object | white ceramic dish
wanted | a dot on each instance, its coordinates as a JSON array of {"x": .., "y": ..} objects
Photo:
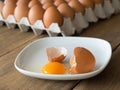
[{"x": 32, "y": 58}]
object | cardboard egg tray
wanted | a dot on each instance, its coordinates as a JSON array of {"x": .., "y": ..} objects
[{"x": 69, "y": 27}]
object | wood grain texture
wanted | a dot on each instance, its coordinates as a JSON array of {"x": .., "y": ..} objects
[
  {"x": 11, "y": 39},
  {"x": 109, "y": 79}
]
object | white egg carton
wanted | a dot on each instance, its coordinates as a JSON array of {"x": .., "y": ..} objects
[{"x": 69, "y": 27}]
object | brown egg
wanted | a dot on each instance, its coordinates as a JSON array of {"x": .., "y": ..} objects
[
  {"x": 58, "y": 2},
  {"x": 67, "y": 0},
  {"x": 87, "y": 3},
  {"x": 45, "y": 1},
  {"x": 10, "y": 1},
  {"x": 98, "y": 1},
  {"x": 82, "y": 61},
  {"x": 21, "y": 11},
  {"x": 1, "y": 6},
  {"x": 76, "y": 6},
  {"x": 8, "y": 9},
  {"x": 52, "y": 15},
  {"x": 23, "y": 2},
  {"x": 33, "y": 2},
  {"x": 47, "y": 5},
  {"x": 66, "y": 11},
  {"x": 35, "y": 13}
]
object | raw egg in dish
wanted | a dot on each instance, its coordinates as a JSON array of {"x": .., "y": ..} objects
[
  {"x": 56, "y": 54},
  {"x": 54, "y": 68},
  {"x": 82, "y": 61},
  {"x": 52, "y": 15}
]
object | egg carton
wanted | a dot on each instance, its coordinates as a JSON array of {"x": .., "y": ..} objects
[
  {"x": 66, "y": 29},
  {"x": 69, "y": 27}
]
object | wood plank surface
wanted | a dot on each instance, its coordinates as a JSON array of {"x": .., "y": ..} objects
[
  {"x": 109, "y": 79},
  {"x": 13, "y": 41}
]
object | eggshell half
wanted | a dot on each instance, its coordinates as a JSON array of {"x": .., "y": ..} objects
[
  {"x": 82, "y": 61},
  {"x": 55, "y": 54}
]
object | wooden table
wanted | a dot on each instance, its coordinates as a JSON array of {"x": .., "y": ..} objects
[{"x": 13, "y": 41}]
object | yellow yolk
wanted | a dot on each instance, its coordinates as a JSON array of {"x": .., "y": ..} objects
[{"x": 54, "y": 68}]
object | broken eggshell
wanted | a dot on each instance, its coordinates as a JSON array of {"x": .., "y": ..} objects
[
  {"x": 55, "y": 54},
  {"x": 82, "y": 61}
]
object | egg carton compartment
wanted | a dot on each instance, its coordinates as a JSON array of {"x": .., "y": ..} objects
[
  {"x": 69, "y": 27},
  {"x": 116, "y": 5},
  {"x": 37, "y": 28},
  {"x": 66, "y": 29}
]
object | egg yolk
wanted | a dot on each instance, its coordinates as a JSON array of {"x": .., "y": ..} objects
[{"x": 54, "y": 68}]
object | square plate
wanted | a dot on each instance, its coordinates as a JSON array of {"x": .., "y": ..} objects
[{"x": 33, "y": 57}]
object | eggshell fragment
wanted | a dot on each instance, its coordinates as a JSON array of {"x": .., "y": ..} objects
[
  {"x": 82, "y": 61},
  {"x": 52, "y": 15},
  {"x": 76, "y": 6},
  {"x": 35, "y": 13},
  {"x": 20, "y": 12},
  {"x": 66, "y": 11},
  {"x": 8, "y": 9},
  {"x": 55, "y": 54}
]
